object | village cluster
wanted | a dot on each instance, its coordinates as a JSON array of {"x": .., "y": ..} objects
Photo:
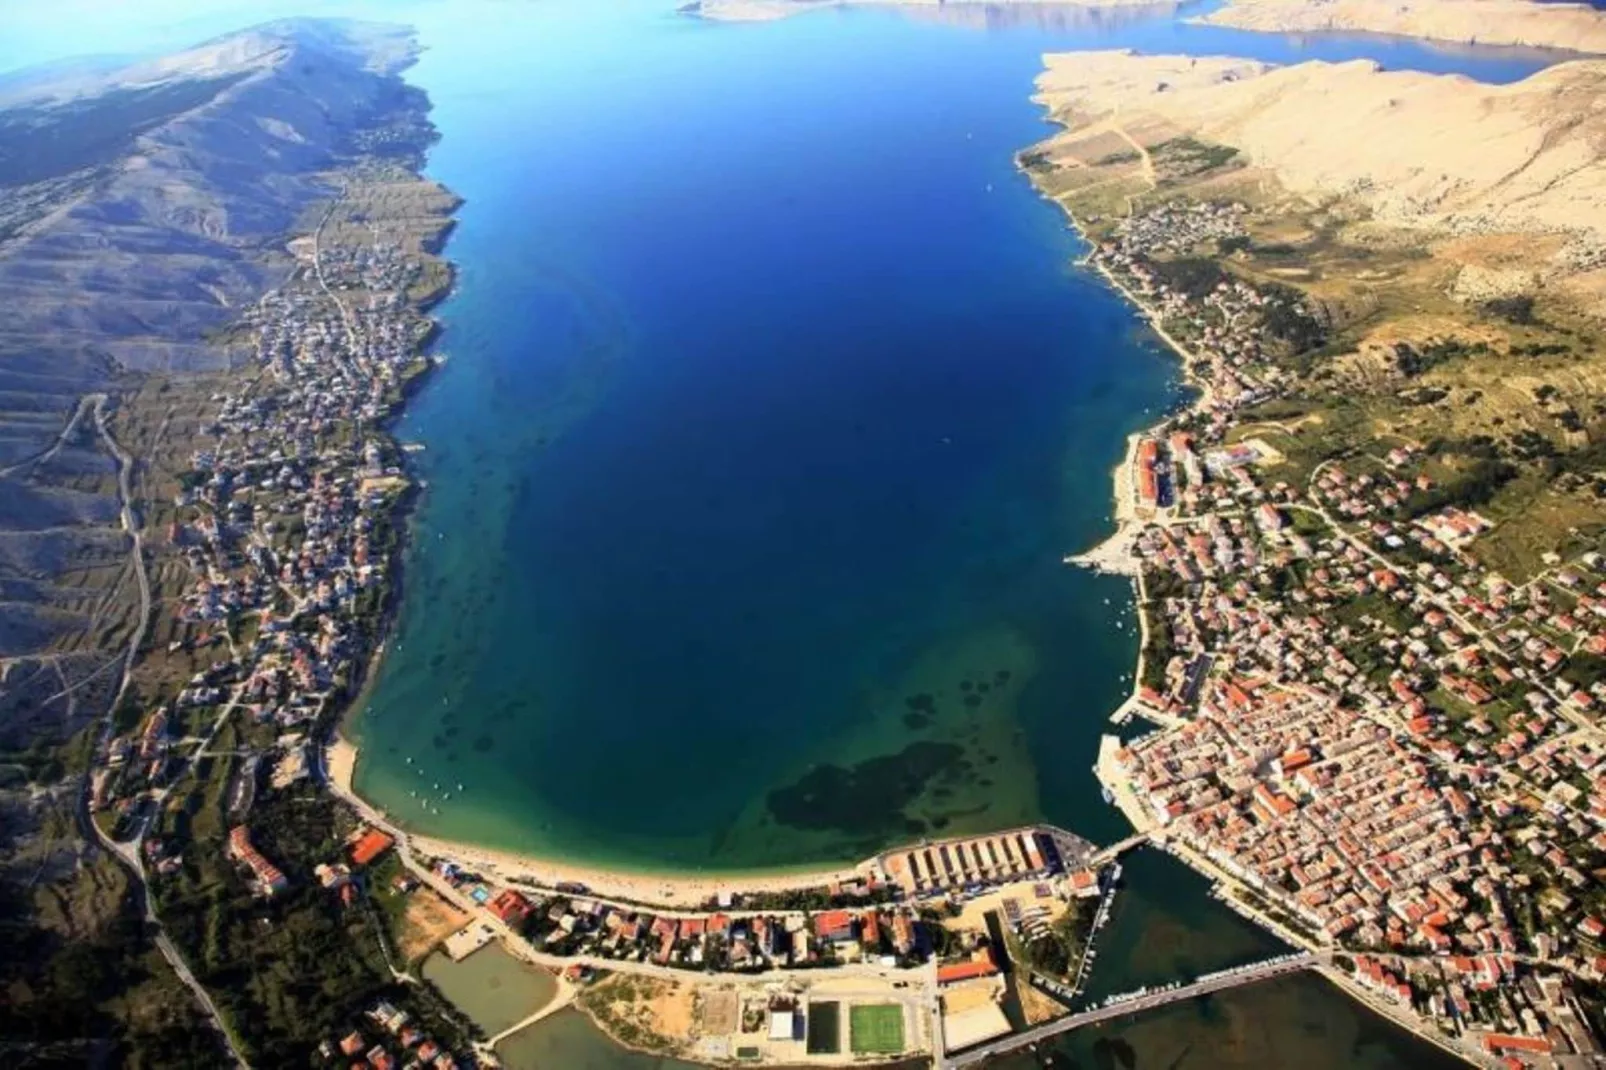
[
  {"x": 286, "y": 524},
  {"x": 279, "y": 520},
  {"x": 392, "y": 1041},
  {"x": 1388, "y": 746}
]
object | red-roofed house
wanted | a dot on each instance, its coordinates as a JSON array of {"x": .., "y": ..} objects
[
  {"x": 511, "y": 907},
  {"x": 834, "y": 926},
  {"x": 369, "y": 846}
]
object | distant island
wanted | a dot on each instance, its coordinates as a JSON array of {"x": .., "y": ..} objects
[
  {"x": 1529, "y": 23},
  {"x": 767, "y": 10},
  {"x": 1573, "y": 27}
]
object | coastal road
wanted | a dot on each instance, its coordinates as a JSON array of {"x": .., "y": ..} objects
[{"x": 521, "y": 947}]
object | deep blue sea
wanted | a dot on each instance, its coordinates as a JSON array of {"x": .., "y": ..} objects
[{"x": 774, "y": 399}]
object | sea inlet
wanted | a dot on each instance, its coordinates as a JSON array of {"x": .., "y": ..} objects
[{"x": 775, "y": 397}]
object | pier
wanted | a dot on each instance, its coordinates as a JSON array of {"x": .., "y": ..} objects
[{"x": 1132, "y": 1003}]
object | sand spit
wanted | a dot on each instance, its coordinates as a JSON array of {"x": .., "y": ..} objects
[
  {"x": 1440, "y": 154},
  {"x": 1528, "y": 23},
  {"x": 767, "y": 10}
]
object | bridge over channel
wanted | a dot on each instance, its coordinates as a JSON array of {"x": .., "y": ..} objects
[
  {"x": 1116, "y": 849},
  {"x": 1120, "y": 1006}
]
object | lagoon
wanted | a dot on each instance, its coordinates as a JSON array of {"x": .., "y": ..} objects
[{"x": 492, "y": 987}]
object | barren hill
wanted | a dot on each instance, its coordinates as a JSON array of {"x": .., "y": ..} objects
[
  {"x": 1532, "y": 23},
  {"x": 143, "y": 207},
  {"x": 1437, "y": 152}
]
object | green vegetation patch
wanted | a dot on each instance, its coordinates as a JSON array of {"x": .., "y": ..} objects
[
  {"x": 875, "y": 1029},
  {"x": 1185, "y": 157}
]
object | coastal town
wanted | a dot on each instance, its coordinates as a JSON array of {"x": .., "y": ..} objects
[
  {"x": 1380, "y": 748},
  {"x": 1374, "y": 741}
]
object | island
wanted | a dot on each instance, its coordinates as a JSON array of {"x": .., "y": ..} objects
[
  {"x": 1368, "y": 556},
  {"x": 1571, "y": 27},
  {"x": 769, "y": 10}
]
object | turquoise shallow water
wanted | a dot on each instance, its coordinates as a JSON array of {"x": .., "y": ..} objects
[{"x": 774, "y": 401}]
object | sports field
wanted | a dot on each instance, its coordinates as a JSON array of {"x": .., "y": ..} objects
[
  {"x": 875, "y": 1029},
  {"x": 825, "y": 1028}
]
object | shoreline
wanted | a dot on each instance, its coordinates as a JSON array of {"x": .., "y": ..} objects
[
  {"x": 651, "y": 887},
  {"x": 1115, "y": 554},
  {"x": 1570, "y": 27},
  {"x": 654, "y": 885},
  {"x": 740, "y": 11}
]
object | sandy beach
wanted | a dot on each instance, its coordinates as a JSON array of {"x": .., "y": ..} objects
[{"x": 660, "y": 889}]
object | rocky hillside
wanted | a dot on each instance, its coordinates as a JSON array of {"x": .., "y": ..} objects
[
  {"x": 142, "y": 207},
  {"x": 1440, "y": 155}
]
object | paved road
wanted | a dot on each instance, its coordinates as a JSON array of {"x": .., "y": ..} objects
[
  {"x": 1060, "y": 1026},
  {"x": 521, "y": 947},
  {"x": 128, "y": 855}
]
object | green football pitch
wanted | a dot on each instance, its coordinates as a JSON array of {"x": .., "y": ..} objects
[{"x": 876, "y": 1029}]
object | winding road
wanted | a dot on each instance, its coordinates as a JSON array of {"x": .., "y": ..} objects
[{"x": 128, "y": 855}]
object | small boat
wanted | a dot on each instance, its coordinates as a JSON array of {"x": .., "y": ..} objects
[{"x": 1109, "y": 796}]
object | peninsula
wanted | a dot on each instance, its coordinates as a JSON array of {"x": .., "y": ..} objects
[
  {"x": 217, "y": 266},
  {"x": 1369, "y": 556}
]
